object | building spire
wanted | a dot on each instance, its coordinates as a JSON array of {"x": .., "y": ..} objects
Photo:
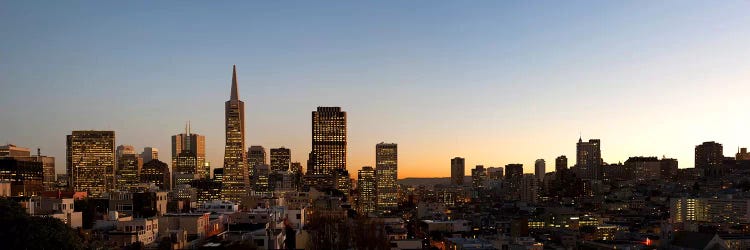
[{"x": 235, "y": 94}]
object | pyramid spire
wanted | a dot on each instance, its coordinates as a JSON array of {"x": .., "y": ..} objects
[{"x": 235, "y": 94}]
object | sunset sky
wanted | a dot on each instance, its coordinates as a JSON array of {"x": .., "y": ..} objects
[{"x": 496, "y": 82}]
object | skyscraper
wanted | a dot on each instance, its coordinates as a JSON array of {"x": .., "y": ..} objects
[
  {"x": 386, "y": 174},
  {"x": 709, "y": 154},
  {"x": 589, "y": 159},
  {"x": 513, "y": 171},
  {"x": 256, "y": 156},
  {"x": 366, "y": 200},
  {"x": 539, "y": 169},
  {"x": 24, "y": 154},
  {"x": 13, "y": 150},
  {"x": 236, "y": 177},
  {"x": 561, "y": 163},
  {"x": 458, "y": 168},
  {"x": 150, "y": 154},
  {"x": 156, "y": 172},
  {"x": 189, "y": 153},
  {"x": 90, "y": 161},
  {"x": 129, "y": 165},
  {"x": 280, "y": 159},
  {"x": 328, "y": 140}
]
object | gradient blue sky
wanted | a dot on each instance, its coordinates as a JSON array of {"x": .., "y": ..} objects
[{"x": 496, "y": 82}]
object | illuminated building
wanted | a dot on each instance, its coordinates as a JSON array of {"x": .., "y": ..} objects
[
  {"x": 589, "y": 159},
  {"x": 280, "y": 159},
  {"x": 256, "y": 155},
  {"x": 328, "y": 140},
  {"x": 261, "y": 183},
  {"x": 91, "y": 161},
  {"x": 236, "y": 179},
  {"x": 458, "y": 171},
  {"x": 156, "y": 172},
  {"x": 709, "y": 155},
  {"x": 296, "y": 170},
  {"x": 669, "y": 168},
  {"x": 366, "y": 200},
  {"x": 25, "y": 177},
  {"x": 218, "y": 175},
  {"x": 712, "y": 210},
  {"x": 206, "y": 190},
  {"x": 478, "y": 179},
  {"x": 539, "y": 169},
  {"x": 189, "y": 153},
  {"x": 24, "y": 154},
  {"x": 386, "y": 174},
  {"x": 129, "y": 165},
  {"x": 150, "y": 154}
]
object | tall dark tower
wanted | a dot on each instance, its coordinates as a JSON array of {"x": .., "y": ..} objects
[{"x": 235, "y": 173}]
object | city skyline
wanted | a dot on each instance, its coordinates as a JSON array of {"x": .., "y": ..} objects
[{"x": 640, "y": 100}]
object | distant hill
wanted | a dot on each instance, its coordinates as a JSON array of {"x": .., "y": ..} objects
[{"x": 415, "y": 181}]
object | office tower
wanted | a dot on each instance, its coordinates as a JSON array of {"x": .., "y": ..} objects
[
  {"x": 328, "y": 140},
  {"x": 218, "y": 175},
  {"x": 478, "y": 179},
  {"x": 709, "y": 155},
  {"x": 24, "y": 175},
  {"x": 528, "y": 188},
  {"x": 256, "y": 155},
  {"x": 13, "y": 150},
  {"x": 589, "y": 159},
  {"x": 156, "y": 172},
  {"x": 90, "y": 161},
  {"x": 236, "y": 179},
  {"x": 129, "y": 165},
  {"x": 539, "y": 169},
  {"x": 366, "y": 200},
  {"x": 342, "y": 181},
  {"x": 189, "y": 153},
  {"x": 495, "y": 173},
  {"x": 643, "y": 168},
  {"x": 386, "y": 173},
  {"x": 206, "y": 190},
  {"x": 513, "y": 171},
  {"x": 150, "y": 154},
  {"x": 280, "y": 159},
  {"x": 668, "y": 168},
  {"x": 260, "y": 180},
  {"x": 296, "y": 170},
  {"x": 458, "y": 171},
  {"x": 561, "y": 163}
]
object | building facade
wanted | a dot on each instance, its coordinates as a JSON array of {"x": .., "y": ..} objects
[
  {"x": 386, "y": 173},
  {"x": 281, "y": 158},
  {"x": 235, "y": 182},
  {"x": 589, "y": 159},
  {"x": 91, "y": 161},
  {"x": 458, "y": 171}
]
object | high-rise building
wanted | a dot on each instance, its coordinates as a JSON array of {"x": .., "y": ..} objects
[
  {"x": 91, "y": 161},
  {"x": 513, "y": 171},
  {"x": 25, "y": 176},
  {"x": 589, "y": 159},
  {"x": 528, "y": 189},
  {"x": 495, "y": 173},
  {"x": 478, "y": 179},
  {"x": 189, "y": 153},
  {"x": 669, "y": 168},
  {"x": 256, "y": 155},
  {"x": 458, "y": 168},
  {"x": 296, "y": 170},
  {"x": 540, "y": 169},
  {"x": 13, "y": 150},
  {"x": 386, "y": 173},
  {"x": 742, "y": 154},
  {"x": 280, "y": 159},
  {"x": 156, "y": 172},
  {"x": 328, "y": 140},
  {"x": 643, "y": 168},
  {"x": 561, "y": 163},
  {"x": 709, "y": 155},
  {"x": 150, "y": 154},
  {"x": 24, "y": 154},
  {"x": 366, "y": 201},
  {"x": 236, "y": 179},
  {"x": 129, "y": 165},
  {"x": 218, "y": 175},
  {"x": 261, "y": 180}
]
